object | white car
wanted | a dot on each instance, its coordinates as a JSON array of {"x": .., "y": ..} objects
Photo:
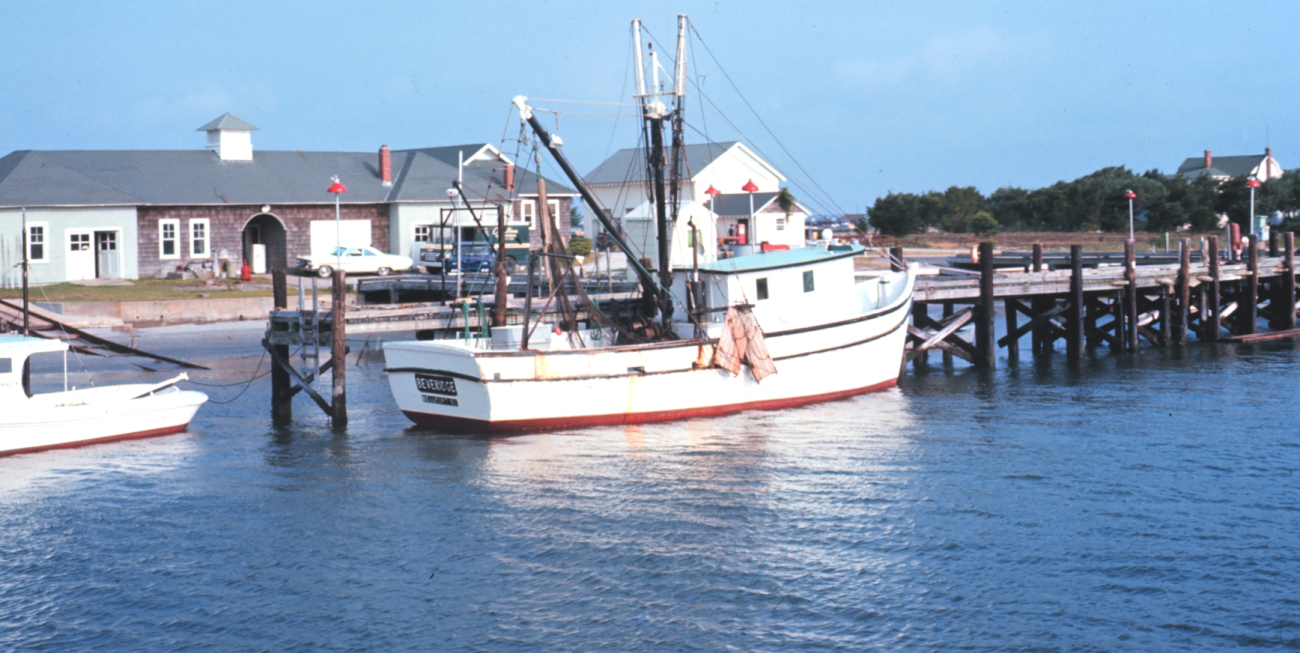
[{"x": 355, "y": 260}]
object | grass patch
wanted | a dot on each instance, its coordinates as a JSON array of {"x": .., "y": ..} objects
[{"x": 141, "y": 290}]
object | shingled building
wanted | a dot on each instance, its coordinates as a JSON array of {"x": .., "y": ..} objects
[{"x": 133, "y": 213}]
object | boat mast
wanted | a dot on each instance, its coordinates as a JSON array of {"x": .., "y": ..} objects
[
  {"x": 26, "y": 312},
  {"x": 655, "y": 112}
]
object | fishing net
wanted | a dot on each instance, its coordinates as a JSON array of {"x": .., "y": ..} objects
[{"x": 742, "y": 343}]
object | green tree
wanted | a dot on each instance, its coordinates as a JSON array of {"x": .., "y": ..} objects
[
  {"x": 1012, "y": 210},
  {"x": 896, "y": 214},
  {"x": 579, "y": 246},
  {"x": 982, "y": 224}
]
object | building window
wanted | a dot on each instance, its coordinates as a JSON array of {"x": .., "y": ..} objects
[
  {"x": 762, "y": 288},
  {"x": 36, "y": 243},
  {"x": 423, "y": 233},
  {"x": 78, "y": 242},
  {"x": 529, "y": 210},
  {"x": 808, "y": 281},
  {"x": 168, "y": 237},
  {"x": 780, "y": 224},
  {"x": 199, "y": 239}
]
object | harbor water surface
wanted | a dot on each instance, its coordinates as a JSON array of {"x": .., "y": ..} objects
[{"x": 1125, "y": 503}]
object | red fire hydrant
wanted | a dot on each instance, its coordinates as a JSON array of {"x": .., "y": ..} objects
[{"x": 245, "y": 272}]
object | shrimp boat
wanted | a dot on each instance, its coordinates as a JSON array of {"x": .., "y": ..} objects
[
  {"x": 76, "y": 417},
  {"x": 770, "y": 329}
]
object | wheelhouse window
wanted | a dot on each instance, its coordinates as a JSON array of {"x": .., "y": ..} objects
[
  {"x": 36, "y": 243},
  {"x": 808, "y": 281},
  {"x": 199, "y": 238},
  {"x": 762, "y": 288},
  {"x": 168, "y": 237}
]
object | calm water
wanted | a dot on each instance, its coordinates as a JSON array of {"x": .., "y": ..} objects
[{"x": 1125, "y": 504}]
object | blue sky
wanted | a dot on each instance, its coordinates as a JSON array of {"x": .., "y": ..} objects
[{"x": 868, "y": 97}]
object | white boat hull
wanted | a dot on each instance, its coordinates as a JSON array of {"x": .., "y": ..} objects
[
  {"x": 94, "y": 415},
  {"x": 471, "y": 389}
]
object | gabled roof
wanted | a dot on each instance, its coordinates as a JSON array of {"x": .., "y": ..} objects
[
  {"x": 198, "y": 177},
  {"x": 227, "y": 121},
  {"x": 1222, "y": 166},
  {"x": 628, "y": 166}
]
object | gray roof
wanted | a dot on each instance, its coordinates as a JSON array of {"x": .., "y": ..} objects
[
  {"x": 189, "y": 177},
  {"x": 226, "y": 121},
  {"x": 628, "y": 166},
  {"x": 737, "y": 204},
  {"x": 1223, "y": 166}
]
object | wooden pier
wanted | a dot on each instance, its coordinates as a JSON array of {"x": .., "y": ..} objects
[{"x": 1120, "y": 307}]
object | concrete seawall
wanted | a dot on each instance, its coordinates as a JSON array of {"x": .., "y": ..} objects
[{"x": 178, "y": 311}]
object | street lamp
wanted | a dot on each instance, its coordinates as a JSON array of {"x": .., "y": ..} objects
[
  {"x": 751, "y": 188},
  {"x": 1130, "y": 195},
  {"x": 1252, "y": 184},
  {"x": 338, "y": 189}
]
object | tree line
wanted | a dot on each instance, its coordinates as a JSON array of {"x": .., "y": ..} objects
[{"x": 1097, "y": 201}]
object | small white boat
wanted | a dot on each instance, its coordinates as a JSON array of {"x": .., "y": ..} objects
[
  {"x": 813, "y": 335},
  {"x": 76, "y": 417}
]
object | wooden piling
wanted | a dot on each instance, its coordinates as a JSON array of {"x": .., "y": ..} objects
[
  {"x": 947, "y": 353},
  {"x": 338, "y": 349},
  {"x": 1273, "y": 237},
  {"x": 281, "y": 382},
  {"x": 1039, "y": 338},
  {"x": 1130, "y": 297},
  {"x": 1210, "y": 319},
  {"x": 920, "y": 310},
  {"x": 896, "y": 263},
  {"x": 1184, "y": 290},
  {"x": 1287, "y": 310},
  {"x": 1074, "y": 343},
  {"x": 985, "y": 348},
  {"x": 1013, "y": 342},
  {"x": 1248, "y": 322}
]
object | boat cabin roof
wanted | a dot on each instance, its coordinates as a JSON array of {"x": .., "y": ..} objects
[
  {"x": 782, "y": 258},
  {"x": 13, "y": 345}
]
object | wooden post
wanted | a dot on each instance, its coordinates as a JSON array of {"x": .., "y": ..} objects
[
  {"x": 1038, "y": 339},
  {"x": 947, "y": 354},
  {"x": 896, "y": 259},
  {"x": 281, "y": 382},
  {"x": 919, "y": 312},
  {"x": 338, "y": 350},
  {"x": 1210, "y": 323},
  {"x": 1013, "y": 343},
  {"x": 1273, "y": 237},
  {"x": 1130, "y": 297},
  {"x": 985, "y": 347},
  {"x": 1184, "y": 290},
  {"x": 1074, "y": 317},
  {"x": 1249, "y": 320},
  {"x": 1287, "y": 310},
  {"x": 1166, "y": 329}
]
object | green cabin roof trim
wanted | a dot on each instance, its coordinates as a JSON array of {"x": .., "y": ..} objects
[{"x": 780, "y": 258}]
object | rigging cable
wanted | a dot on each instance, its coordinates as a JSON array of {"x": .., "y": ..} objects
[{"x": 760, "y": 119}]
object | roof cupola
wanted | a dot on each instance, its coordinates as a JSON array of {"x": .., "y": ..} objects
[{"x": 230, "y": 137}]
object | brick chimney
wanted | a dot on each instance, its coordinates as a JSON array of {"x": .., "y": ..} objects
[
  {"x": 1209, "y": 160},
  {"x": 510, "y": 177},
  {"x": 386, "y": 165}
]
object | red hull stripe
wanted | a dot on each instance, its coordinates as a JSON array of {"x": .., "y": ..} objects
[
  {"x": 463, "y": 424},
  {"x": 112, "y": 438}
]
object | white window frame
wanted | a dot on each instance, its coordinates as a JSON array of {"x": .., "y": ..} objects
[
  {"x": 528, "y": 208},
  {"x": 45, "y": 242},
  {"x": 428, "y": 233},
  {"x": 176, "y": 238},
  {"x": 206, "y": 223}
]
